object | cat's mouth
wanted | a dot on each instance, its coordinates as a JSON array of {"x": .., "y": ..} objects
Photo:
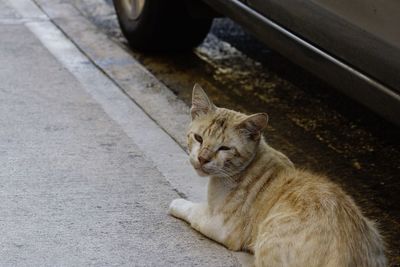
[{"x": 199, "y": 168}]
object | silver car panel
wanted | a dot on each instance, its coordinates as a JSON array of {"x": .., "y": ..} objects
[
  {"x": 343, "y": 76},
  {"x": 362, "y": 33}
]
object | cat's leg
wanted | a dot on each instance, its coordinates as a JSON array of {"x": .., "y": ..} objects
[
  {"x": 195, "y": 214},
  {"x": 201, "y": 219},
  {"x": 181, "y": 208}
]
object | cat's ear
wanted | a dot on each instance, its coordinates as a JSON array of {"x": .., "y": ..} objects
[
  {"x": 253, "y": 125},
  {"x": 201, "y": 104}
]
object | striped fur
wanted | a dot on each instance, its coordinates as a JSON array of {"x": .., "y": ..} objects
[{"x": 260, "y": 203}]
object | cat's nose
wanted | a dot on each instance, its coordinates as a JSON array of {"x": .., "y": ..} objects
[{"x": 203, "y": 160}]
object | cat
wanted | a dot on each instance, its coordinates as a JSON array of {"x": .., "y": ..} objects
[{"x": 258, "y": 202}]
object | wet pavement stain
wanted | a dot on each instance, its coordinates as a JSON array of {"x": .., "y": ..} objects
[{"x": 317, "y": 127}]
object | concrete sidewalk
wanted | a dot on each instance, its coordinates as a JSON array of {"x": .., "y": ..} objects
[{"x": 86, "y": 176}]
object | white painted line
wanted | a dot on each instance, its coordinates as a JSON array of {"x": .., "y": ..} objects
[{"x": 155, "y": 144}]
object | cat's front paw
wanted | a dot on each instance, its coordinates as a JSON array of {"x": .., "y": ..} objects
[{"x": 180, "y": 208}]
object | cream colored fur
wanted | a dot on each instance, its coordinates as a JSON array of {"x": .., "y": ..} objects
[{"x": 260, "y": 203}]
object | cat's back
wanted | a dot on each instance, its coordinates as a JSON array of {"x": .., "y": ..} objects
[{"x": 313, "y": 215}]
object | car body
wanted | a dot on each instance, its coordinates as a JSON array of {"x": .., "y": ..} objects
[{"x": 353, "y": 45}]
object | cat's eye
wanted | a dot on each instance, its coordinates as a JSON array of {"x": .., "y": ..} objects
[
  {"x": 223, "y": 148},
  {"x": 198, "y": 138}
]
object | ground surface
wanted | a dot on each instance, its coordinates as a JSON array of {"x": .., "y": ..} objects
[
  {"x": 315, "y": 125},
  {"x": 80, "y": 185}
]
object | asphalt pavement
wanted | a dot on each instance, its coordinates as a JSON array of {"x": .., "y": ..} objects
[
  {"x": 315, "y": 125},
  {"x": 86, "y": 175},
  {"x": 92, "y": 137}
]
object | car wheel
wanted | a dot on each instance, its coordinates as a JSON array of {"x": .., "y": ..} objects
[{"x": 160, "y": 25}]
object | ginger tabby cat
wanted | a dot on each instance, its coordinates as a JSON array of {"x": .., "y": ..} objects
[{"x": 260, "y": 203}]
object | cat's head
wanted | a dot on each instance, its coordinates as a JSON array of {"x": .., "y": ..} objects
[{"x": 221, "y": 142}]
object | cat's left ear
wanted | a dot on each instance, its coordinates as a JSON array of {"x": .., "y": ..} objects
[
  {"x": 253, "y": 125},
  {"x": 201, "y": 104}
]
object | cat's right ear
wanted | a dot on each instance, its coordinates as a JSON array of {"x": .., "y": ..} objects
[{"x": 201, "y": 104}]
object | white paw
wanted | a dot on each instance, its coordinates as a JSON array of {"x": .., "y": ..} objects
[{"x": 180, "y": 208}]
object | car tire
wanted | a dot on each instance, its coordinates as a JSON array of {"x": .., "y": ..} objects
[{"x": 160, "y": 25}]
